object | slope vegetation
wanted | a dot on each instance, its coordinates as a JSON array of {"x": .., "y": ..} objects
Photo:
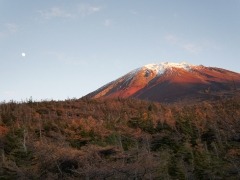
[{"x": 119, "y": 139}]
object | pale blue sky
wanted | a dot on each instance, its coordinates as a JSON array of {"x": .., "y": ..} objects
[{"x": 74, "y": 47}]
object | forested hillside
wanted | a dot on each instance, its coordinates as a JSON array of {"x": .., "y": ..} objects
[{"x": 119, "y": 139}]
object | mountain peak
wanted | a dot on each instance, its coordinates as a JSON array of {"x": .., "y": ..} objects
[
  {"x": 167, "y": 82},
  {"x": 160, "y": 68}
]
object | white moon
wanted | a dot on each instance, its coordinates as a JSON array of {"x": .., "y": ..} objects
[{"x": 23, "y": 54}]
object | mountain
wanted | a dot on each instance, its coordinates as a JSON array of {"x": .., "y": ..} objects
[{"x": 171, "y": 82}]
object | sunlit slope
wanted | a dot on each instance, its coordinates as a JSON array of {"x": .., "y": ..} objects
[{"x": 169, "y": 82}]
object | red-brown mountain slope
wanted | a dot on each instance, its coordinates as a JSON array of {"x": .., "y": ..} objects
[{"x": 167, "y": 82}]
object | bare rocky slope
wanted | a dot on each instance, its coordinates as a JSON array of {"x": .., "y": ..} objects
[{"x": 172, "y": 82}]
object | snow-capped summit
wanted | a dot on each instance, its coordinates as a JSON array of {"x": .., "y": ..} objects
[
  {"x": 157, "y": 69},
  {"x": 168, "y": 82},
  {"x": 160, "y": 68}
]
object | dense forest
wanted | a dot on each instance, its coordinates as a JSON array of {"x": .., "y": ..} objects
[{"x": 119, "y": 139}]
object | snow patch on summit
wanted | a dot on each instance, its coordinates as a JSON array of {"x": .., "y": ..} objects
[{"x": 160, "y": 68}]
